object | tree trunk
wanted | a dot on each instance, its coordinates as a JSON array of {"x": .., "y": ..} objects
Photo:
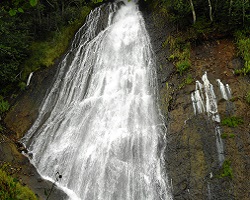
[
  {"x": 193, "y": 11},
  {"x": 210, "y": 10}
]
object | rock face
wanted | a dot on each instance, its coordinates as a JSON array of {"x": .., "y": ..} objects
[
  {"x": 191, "y": 156},
  {"x": 18, "y": 120}
]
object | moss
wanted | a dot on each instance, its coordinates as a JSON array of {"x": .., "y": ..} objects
[
  {"x": 10, "y": 188},
  {"x": 232, "y": 121},
  {"x": 231, "y": 135}
]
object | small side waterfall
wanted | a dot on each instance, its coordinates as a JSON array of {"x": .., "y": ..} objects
[
  {"x": 225, "y": 91},
  {"x": 204, "y": 95},
  {"x": 100, "y": 125}
]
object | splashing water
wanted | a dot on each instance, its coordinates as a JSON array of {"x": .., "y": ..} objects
[{"x": 100, "y": 126}]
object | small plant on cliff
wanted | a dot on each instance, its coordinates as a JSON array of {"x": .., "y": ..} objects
[
  {"x": 232, "y": 121},
  {"x": 10, "y": 189},
  {"x": 180, "y": 52},
  {"x": 226, "y": 170},
  {"x": 226, "y": 135},
  {"x": 4, "y": 105},
  {"x": 243, "y": 44},
  {"x": 248, "y": 97}
]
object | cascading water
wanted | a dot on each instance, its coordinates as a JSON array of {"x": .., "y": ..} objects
[
  {"x": 204, "y": 95},
  {"x": 100, "y": 126}
]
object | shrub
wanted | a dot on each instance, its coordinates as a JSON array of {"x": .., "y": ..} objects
[
  {"x": 226, "y": 170},
  {"x": 224, "y": 135},
  {"x": 182, "y": 66},
  {"x": 232, "y": 121},
  {"x": 243, "y": 44},
  {"x": 10, "y": 189},
  {"x": 4, "y": 105}
]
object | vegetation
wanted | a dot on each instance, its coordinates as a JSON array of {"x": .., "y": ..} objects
[
  {"x": 226, "y": 170},
  {"x": 33, "y": 34},
  {"x": 248, "y": 97},
  {"x": 180, "y": 52},
  {"x": 4, "y": 105},
  {"x": 232, "y": 121},
  {"x": 226, "y": 135},
  {"x": 243, "y": 44},
  {"x": 10, "y": 188}
]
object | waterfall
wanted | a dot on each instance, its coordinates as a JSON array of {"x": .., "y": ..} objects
[
  {"x": 29, "y": 78},
  {"x": 198, "y": 101},
  {"x": 100, "y": 125},
  {"x": 225, "y": 91}
]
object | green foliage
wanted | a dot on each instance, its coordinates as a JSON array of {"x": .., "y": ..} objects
[
  {"x": 180, "y": 49},
  {"x": 248, "y": 97},
  {"x": 182, "y": 66},
  {"x": 243, "y": 44},
  {"x": 232, "y": 121},
  {"x": 4, "y": 105},
  {"x": 11, "y": 189},
  {"x": 33, "y": 3},
  {"x": 13, "y": 47},
  {"x": 45, "y": 52},
  {"x": 226, "y": 135},
  {"x": 226, "y": 170},
  {"x": 22, "y": 86}
]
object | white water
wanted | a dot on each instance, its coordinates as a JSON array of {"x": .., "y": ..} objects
[
  {"x": 100, "y": 126},
  {"x": 29, "y": 78},
  {"x": 225, "y": 91},
  {"x": 204, "y": 99},
  {"x": 204, "y": 95}
]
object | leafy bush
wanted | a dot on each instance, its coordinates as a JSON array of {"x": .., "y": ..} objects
[
  {"x": 4, "y": 105},
  {"x": 243, "y": 44},
  {"x": 232, "y": 121},
  {"x": 182, "y": 66},
  {"x": 226, "y": 170},
  {"x": 224, "y": 135},
  {"x": 10, "y": 189},
  {"x": 180, "y": 52}
]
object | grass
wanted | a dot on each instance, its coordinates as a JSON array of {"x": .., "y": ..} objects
[
  {"x": 232, "y": 121},
  {"x": 11, "y": 189},
  {"x": 44, "y": 53},
  {"x": 243, "y": 45}
]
